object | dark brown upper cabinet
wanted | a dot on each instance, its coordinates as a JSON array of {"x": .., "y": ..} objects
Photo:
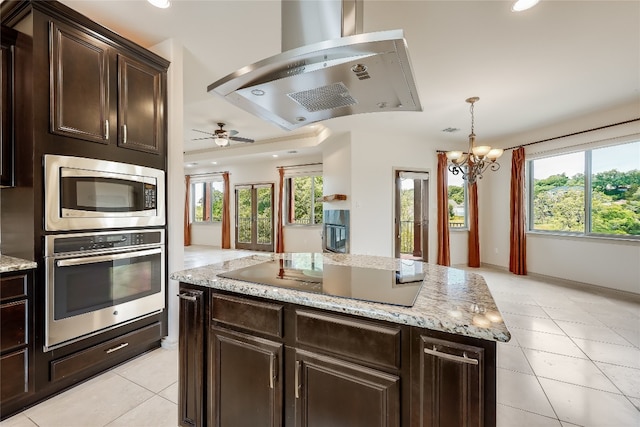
[
  {"x": 140, "y": 106},
  {"x": 101, "y": 95},
  {"x": 6, "y": 93}
]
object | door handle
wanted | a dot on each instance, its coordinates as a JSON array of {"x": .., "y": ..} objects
[
  {"x": 187, "y": 297},
  {"x": 462, "y": 359},
  {"x": 272, "y": 370},
  {"x": 297, "y": 378}
]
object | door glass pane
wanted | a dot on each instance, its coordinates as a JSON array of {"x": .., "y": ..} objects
[
  {"x": 264, "y": 214},
  {"x": 615, "y": 190},
  {"x": 558, "y": 193},
  {"x": 407, "y": 215},
  {"x": 243, "y": 197}
]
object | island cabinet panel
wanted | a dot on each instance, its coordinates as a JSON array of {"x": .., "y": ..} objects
[
  {"x": 245, "y": 380},
  {"x": 191, "y": 347},
  {"x": 273, "y": 363},
  {"x": 347, "y": 337},
  {"x": 332, "y": 392},
  {"x": 451, "y": 384}
]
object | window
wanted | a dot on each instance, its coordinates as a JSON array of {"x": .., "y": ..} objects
[
  {"x": 301, "y": 194},
  {"x": 207, "y": 200},
  {"x": 457, "y": 190},
  {"x": 593, "y": 192}
]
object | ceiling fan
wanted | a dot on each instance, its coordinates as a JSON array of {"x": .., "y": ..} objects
[{"x": 222, "y": 137}]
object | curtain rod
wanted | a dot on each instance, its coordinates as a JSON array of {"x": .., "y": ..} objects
[
  {"x": 208, "y": 173},
  {"x": 575, "y": 133},
  {"x": 297, "y": 166},
  {"x": 564, "y": 136}
]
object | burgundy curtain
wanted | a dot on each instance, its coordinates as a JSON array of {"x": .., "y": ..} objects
[
  {"x": 443, "y": 212},
  {"x": 187, "y": 222},
  {"x": 518, "y": 242},
  {"x": 280, "y": 230},
  {"x": 474, "y": 240},
  {"x": 226, "y": 216}
]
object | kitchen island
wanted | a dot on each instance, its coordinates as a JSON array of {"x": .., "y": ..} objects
[{"x": 255, "y": 354}]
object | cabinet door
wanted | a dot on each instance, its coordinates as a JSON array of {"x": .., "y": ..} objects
[
  {"x": 330, "y": 392},
  {"x": 79, "y": 84},
  {"x": 6, "y": 122},
  {"x": 140, "y": 106},
  {"x": 245, "y": 380},
  {"x": 451, "y": 384},
  {"x": 191, "y": 357}
]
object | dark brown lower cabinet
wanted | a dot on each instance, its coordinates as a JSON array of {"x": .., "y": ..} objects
[
  {"x": 191, "y": 345},
  {"x": 254, "y": 362},
  {"x": 332, "y": 392},
  {"x": 16, "y": 339},
  {"x": 451, "y": 380},
  {"x": 245, "y": 384}
]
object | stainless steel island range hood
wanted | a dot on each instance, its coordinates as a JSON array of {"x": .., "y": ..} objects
[{"x": 327, "y": 69}]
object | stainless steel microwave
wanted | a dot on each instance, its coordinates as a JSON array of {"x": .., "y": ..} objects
[{"x": 83, "y": 194}]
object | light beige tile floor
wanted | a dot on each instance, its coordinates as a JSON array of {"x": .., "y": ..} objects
[{"x": 574, "y": 360}]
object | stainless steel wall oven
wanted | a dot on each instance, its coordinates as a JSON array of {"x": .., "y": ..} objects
[
  {"x": 97, "y": 281},
  {"x": 84, "y": 194}
]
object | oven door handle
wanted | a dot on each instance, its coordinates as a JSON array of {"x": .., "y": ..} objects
[{"x": 105, "y": 258}]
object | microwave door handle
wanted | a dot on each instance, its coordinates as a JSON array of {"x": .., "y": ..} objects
[{"x": 105, "y": 258}]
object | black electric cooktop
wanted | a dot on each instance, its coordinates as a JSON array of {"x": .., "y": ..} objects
[{"x": 307, "y": 272}]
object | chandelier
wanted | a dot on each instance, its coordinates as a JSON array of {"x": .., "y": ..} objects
[{"x": 477, "y": 159}]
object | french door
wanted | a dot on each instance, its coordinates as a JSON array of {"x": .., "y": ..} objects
[
  {"x": 412, "y": 214},
  {"x": 254, "y": 217}
]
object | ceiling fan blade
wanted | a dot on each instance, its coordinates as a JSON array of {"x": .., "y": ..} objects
[
  {"x": 232, "y": 132},
  {"x": 199, "y": 139},
  {"x": 239, "y": 139},
  {"x": 201, "y": 131}
]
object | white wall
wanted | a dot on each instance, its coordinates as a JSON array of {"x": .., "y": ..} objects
[
  {"x": 603, "y": 262},
  {"x": 336, "y": 169},
  {"x": 373, "y": 159},
  {"x": 172, "y": 50}
]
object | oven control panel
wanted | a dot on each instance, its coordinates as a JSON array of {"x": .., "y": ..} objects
[{"x": 100, "y": 241}]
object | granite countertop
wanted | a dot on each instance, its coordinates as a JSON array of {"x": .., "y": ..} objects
[
  {"x": 9, "y": 263},
  {"x": 450, "y": 300}
]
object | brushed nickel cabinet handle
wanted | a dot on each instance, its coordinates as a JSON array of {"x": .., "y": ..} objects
[
  {"x": 297, "y": 379},
  {"x": 118, "y": 347},
  {"x": 462, "y": 359},
  {"x": 106, "y": 129},
  {"x": 272, "y": 370},
  {"x": 124, "y": 134},
  {"x": 187, "y": 297}
]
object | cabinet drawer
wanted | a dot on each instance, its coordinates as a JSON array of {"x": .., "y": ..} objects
[
  {"x": 112, "y": 350},
  {"x": 13, "y": 375},
  {"x": 13, "y": 330},
  {"x": 248, "y": 314},
  {"x": 344, "y": 336},
  {"x": 13, "y": 287}
]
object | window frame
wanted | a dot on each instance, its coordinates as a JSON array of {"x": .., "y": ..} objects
[
  {"x": 587, "y": 194},
  {"x": 207, "y": 183},
  {"x": 288, "y": 194}
]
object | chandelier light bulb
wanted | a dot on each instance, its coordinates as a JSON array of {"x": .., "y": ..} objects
[
  {"x": 495, "y": 154},
  {"x": 481, "y": 150}
]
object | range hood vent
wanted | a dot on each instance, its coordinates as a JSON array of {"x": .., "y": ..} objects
[{"x": 327, "y": 69}]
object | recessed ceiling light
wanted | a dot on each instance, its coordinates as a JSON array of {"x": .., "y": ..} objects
[
  {"x": 521, "y": 5},
  {"x": 162, "y": 4},
  {"x": 450, "y": 130},
  {"x": 274, "y": 155},
  {"x": 190, "y": 165},
  {"x": 214, "y": 163}
]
